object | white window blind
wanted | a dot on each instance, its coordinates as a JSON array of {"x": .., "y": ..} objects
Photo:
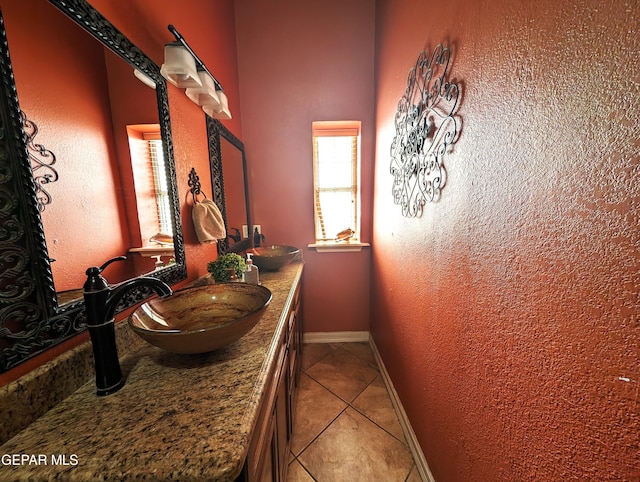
[
  {"x": 336, "y": 178},
  {"x": 160, "y": 187}
]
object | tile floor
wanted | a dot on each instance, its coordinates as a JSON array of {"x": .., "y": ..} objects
[{"x": 345, "y": 426}]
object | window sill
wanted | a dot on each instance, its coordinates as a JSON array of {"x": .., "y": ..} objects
[
  {"x": 151, "y": 251},
  {"x": 345, "y": 247}
]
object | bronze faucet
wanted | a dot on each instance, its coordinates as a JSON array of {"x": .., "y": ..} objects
[{"x": 100, "y": 302}]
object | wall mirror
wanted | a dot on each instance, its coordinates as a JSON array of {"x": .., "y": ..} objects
[
  {"x": 75, "y": 85},
  {"x": 229, "y": 180}
]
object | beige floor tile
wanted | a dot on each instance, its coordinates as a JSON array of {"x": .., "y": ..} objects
[
  {"x": 297, "y": 473},
  {"x": 354, "y": 448},
  {"x": 316, "y": 407},
  {"x": 312, "y": 353},
  {"x": 343, "y": 373},
  {"x": 375, "y": 404},
  {"x": 362, "y": 350}
]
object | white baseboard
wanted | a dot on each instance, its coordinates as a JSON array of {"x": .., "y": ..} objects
[
  {"x": 409, "y": 434},
  {"x": 336, "y": 337}
]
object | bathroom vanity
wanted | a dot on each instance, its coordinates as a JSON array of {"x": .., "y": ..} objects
[{"x": 222, "y": 416}]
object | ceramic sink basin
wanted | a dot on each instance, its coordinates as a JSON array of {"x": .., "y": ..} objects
[
  {"x": 272, "y": 258},
  {"x": 200, "y": 320}
]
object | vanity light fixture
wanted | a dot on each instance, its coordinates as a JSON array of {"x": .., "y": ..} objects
[
  {"x": 221, "y": 111},
  {"x": 179, "y": 66},
  {"x": 201, "y": 87},
  {"x": 144, "y": 78},
  {"x": 206, "y": 94}
]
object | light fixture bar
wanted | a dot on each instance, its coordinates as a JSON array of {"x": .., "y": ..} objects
[{"x": 199, "y": 63}]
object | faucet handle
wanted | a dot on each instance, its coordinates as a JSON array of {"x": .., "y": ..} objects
[{"x": 95, "y": 281}]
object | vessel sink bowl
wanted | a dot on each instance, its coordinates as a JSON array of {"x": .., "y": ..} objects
[
  {"x": 200, "y": 320},
  {"x": 272, "y": 258}
]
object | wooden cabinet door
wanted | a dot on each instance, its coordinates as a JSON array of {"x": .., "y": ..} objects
[
  {"x": 282, "y": 427},
  {"x": 268, "y": 458},
  {"x": 269, "y": 472}
]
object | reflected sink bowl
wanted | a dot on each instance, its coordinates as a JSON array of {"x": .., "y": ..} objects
[
  {"x": 272, "y": 258},
  {"x": 200, "y": 320}
]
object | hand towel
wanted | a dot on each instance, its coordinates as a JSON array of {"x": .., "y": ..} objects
[{"x": 208, "y": 222}]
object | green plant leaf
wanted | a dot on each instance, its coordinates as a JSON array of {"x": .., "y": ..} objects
[{"x": 220, "y": 268}]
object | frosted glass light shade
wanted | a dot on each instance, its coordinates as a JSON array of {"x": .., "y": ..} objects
[
  {"x": 222, "y": 110},
  {"x": 206, "y": 94},
  {"x": 179, "y": 67}
]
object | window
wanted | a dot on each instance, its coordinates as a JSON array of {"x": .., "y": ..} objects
[
  {"x": 152, "y": 204},
  {"x": 160, "y": 188},
  {"x": 336, "y": 179}
]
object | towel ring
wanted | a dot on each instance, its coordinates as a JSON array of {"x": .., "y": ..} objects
[{"x": 194, "y": 184}]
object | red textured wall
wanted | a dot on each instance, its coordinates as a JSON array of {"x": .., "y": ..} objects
[
  {"x": 507, "y": 315},
  {"x": 301, "y": 62}
]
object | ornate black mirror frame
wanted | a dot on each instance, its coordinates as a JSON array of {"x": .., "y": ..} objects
[
  {"x": 215, "y": 131},
  {"x": 30, "y": 319}
]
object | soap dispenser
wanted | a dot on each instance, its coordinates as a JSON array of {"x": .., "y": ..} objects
[{"x": 251, "y": 275}]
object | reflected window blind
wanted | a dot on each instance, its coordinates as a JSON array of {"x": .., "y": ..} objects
[{"x": 160, "y": 186}]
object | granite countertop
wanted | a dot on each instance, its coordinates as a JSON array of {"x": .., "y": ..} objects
[{"x": 178, "y": 417}]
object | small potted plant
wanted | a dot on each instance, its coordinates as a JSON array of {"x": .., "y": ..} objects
[{"x": 228, "y": 267}]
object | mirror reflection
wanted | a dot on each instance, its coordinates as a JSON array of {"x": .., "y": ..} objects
[
  {"x": 79, "y": 113},
  {"x": 101, "y": 122},
  {"x": 234, "y": 190},
  {"x": 229, "y": 180}
]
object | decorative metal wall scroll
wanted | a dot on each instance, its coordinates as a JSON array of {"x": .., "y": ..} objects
[
  {"x": 426, "y": 127},
  {"x": 42, "y": 160}
]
